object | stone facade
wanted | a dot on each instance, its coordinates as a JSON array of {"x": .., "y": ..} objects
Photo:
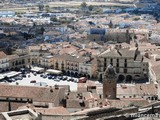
[
  {"x": 128, "y": 64},
  {"x": 109, "y": 83}
]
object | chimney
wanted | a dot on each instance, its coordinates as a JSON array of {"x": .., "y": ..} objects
[
  {"x": 83, "y": 46},
  {"x": 56, "y": 87}
]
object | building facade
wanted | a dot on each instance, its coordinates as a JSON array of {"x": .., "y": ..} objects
[
  {"x": 128, "y": 64},
  {"x": 4, "y": 62}
]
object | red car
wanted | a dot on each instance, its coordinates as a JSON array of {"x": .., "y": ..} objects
[{"x": 82, "y": 80}]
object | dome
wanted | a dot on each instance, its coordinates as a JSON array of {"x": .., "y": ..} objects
[{"x": 109, "y": 72}]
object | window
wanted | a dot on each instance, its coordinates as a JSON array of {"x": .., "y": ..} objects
[
  {"x": 111, "y": 60},
  {"x": 125, "y": 60},
  {"x": 23, "y": 61},
  {"x": 125, "y": 65},
  {"x": 117, "y": 60},
  {"x": 117, "y": 64},
  {"x": 117, "y": 70},
  {"x": 125, "y": 70}
]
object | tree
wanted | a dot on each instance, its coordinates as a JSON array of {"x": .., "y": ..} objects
[
  {"x": 110, "y": 24},
  {"x": 41, "y": 7},
  {"x": 54, "y": 19},
  {"x": 47, "y": 8},
  {"x": 42, "y": 30},
  {"x": 83, "y": 5},
  {"x": 90, "y": 7}
]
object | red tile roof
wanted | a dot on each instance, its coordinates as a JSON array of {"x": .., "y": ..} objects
[
  {"x": 2, "y": 55},
  {"x": 37, "y": 94},
  {"x": 52, "y": 111}
]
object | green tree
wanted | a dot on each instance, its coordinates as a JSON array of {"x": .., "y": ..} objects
[
  {"x": 110, "y": 24},
  {"x": 83, "y": 5},
  {"x": 42, "y": 30},
  {"x": 41, "y": 7},
  {"x": 54, "y": 19},
  {"x": 47, "y": 8},
  {"x": 90, "y": 7}
]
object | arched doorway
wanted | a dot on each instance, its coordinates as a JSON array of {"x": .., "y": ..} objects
[
  {"x": 79, "y": 75},
  {"x": 16, "y": 69},
  {"x": 88, "y": 76},
  {"x": 12, "y": 69},
  {"x": 75, "y": 74},
  {"x": 84, "y": 75},
  {"x": 64, "y": 72},
  {"x": 128, "y": 78},
  {"x": 138, "y": 79},
  {"x": 72, "y": 74},
  {"x": 68, "y": 73},
  {"x": 121, "y": 78}
]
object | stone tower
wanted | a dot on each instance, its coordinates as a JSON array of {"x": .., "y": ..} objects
[{"x": 110, "y": 83}]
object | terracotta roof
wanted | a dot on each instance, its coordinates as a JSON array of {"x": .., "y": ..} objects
[
  {"x": 2, "y": 55},
  {"x": 126, "y": 102},
  {"x": 156, "y": 70},
  {"x": 138, "y": 89},
  {"x": 121, "y": 53},
  {"x": 11, "y": 57},
  {"x": 90, "y": 83},
  {"x": 73, "y": 95},
  {"x": 75, "y": 104},
  {"x": 37, "y": 94},
  {"x": 87, "y": 95},
  {"x": 69, "y": 49},
  {"x": 52, "y": 111},
  {"x": 14, "y": 106}
]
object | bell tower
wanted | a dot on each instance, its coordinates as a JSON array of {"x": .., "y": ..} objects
[{"x": 109, "y": 83}]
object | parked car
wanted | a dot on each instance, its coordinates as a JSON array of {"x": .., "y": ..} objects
[
  {"x": 60, "y": 77},
  {"x": 9, "y": 80},
  {"x": 13, "y": 79},
  {"x": 70, "y": 79},
  {"x": 35, "y": 74},
  {"x": 41, "y": 75},
  {"x": 75, "y": 80},
  {"x": 33, "y": 81},
  {"x": 82, "y": 80},
  {"x": 50, "y": 77},
  {"x": 54, "y": 77},
  {"x": 58, "y": 80},
  {"x": 23, "y": 75},
  {"x": 44, "y": 76},
  {"x": 65, "y": 78},
  {"x": 18, "y": 78}
]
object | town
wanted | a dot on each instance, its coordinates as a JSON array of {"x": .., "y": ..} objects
[{"x": 79, "y": 60}]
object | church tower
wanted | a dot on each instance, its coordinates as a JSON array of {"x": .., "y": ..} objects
[{"x": 109, "y": 83}]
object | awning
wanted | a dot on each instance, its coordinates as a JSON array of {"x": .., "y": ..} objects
[
  {"x": 9, "y": 74},
  {"x": 52, "y": 71},
  {"x": 37, "y": 69}
]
